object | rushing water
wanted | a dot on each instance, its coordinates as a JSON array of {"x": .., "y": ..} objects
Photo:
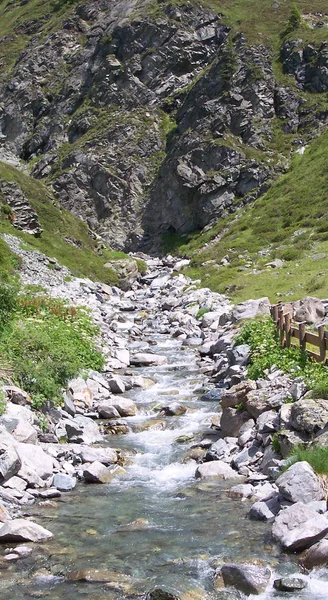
[{"x": 157, "y": 524}]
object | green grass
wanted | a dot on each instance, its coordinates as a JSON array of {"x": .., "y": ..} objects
[
  {"x": 265, "y": 230},
  {"x": 65, "y": 237},
  {"x": 316, "y": 457}
]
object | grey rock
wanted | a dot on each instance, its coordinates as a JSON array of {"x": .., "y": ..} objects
[
  {"x": 311, "y": 310},
  {"x": 289, "y": 584},
  {"x": 146, "y": 359},
  {"x": 63, "y": 482},
  {"x": 216, "y": 468},
  {"x": 22, "y": 530},
  {"x": 35, "y": 459},
  {"x": 10, "y": 462},
  {"x": 96, "y": 472},
  {"x": 316, "y": 556},
  {"x": 300, "y": 484},
  {"x": 116, "y": 384},
  {"x": 265, "y": 510},
  {"x": 251, "y": 308},
  {"x": 249, "y": 579},
  {"x": 309, "y": 415},
  {"x": 232, "y": 420},
  {"x": 298, "y": 527}
]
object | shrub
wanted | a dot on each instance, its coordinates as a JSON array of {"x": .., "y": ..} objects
[
  {"x": 266, "y": 351},
  {"x": 295, "y": 19},
  {"x": 49, "y": 343}
]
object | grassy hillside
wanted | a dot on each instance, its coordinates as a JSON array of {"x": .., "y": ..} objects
[
  {"x": 290, "y": 223},
  {"x": 64, "y": 237}
]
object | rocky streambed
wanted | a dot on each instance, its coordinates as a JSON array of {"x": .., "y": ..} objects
[{"x": 158, "y": 477}]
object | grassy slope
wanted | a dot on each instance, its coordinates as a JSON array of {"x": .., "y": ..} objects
[
  {"x": 58, "y": 224},
  {"x": 298, "y": 202}
]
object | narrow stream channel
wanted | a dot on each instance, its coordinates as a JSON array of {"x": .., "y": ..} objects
[{"x": 156, "y": 524}]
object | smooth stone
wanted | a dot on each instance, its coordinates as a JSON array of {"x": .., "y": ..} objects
[
  {"x": 316, "y": 556},
  {"x": 144, "y": 359},
  {"x": 289, "y": 584},
  {"x": 63, "y": 482},
  {"x": 22, "y": 530}
]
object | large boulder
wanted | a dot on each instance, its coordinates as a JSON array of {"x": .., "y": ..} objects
[
  {"x": 10, "y": 461},
  {"x": 146, "y": 359},
  {"x": 260, "y": 401},
  {"x": 25, "y": 433},
  {"x": 299, "y": 526},
  {"x": 300, "y": 484},
  {"x": 126, "y": 270},
  {"x": 34, "y": 459},
  {"x": 232, "y": 420},
  {"x": 309, "y": 415},
  {"x": 236, "y": 394},
  {"x": 83, "y": 430},
  {"x": 249, "y": 579},
  {"x": 216, "y": 468},
  {"x": 316, "y": 556},
  {"x": 311, "y": 310},
  {"x": 22, "y": 530},
  {"x": 107, "y": 456},
  {"x": 97, "y": 473},
  {"x": 251, "y": 309},
  {"x": 118, "y": 406}
]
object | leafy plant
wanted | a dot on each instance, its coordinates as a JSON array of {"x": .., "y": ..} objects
[
  {"x": 8, "y": 302},
  {"x": 48, "y": 343},
  {"x": 266, "y": 351}
]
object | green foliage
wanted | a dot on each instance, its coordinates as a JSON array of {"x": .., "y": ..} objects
[
  {"x": 315, "y": 456},
  {"x": 275, "y": 442},
  {"x": 48, "y": 343},
  {"x": 3, "y": 403},
  {"x": 8, "y": 303},
  {"x": 320, "y": 389},
  {"x": 295, "y": 19},
  {"x": 287, "y": 222},
  {"x": 201, "y": 312},
  {"x": 266, "y": 351},
  {"x": 142, "y": 266}
]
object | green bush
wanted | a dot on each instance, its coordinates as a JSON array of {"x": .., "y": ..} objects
[
  {"x": 266, "y": 351},
  {"x": 48, "y": 343},
  {"x": 295, "y": 20}
]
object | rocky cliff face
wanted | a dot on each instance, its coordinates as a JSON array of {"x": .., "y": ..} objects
[{"x": 151, "y": 118}]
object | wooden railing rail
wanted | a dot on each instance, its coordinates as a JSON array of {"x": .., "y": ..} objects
[{"x": 289, "y": 330}]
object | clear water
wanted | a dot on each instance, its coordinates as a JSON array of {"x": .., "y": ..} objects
[{"x": 157, "y": 524}]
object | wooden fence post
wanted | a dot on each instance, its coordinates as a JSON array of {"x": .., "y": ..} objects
[
  {"x": 275, "y": 313},
  {"x": 288, "y": 331},
  {"x": 322, "y": 342},
  {"x": 301, "y": 328},
  {"x": 281, "y": 326}
]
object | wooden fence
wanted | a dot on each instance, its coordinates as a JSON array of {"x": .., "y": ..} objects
[{"x": 289, "y": 331}]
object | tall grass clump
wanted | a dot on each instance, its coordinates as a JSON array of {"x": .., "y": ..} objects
[{"x": 315, "y": 456}]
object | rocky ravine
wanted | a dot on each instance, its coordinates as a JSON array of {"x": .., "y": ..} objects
[
  {"x": 151, "y": 124},
  {"x": 35, "y": 467}
]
